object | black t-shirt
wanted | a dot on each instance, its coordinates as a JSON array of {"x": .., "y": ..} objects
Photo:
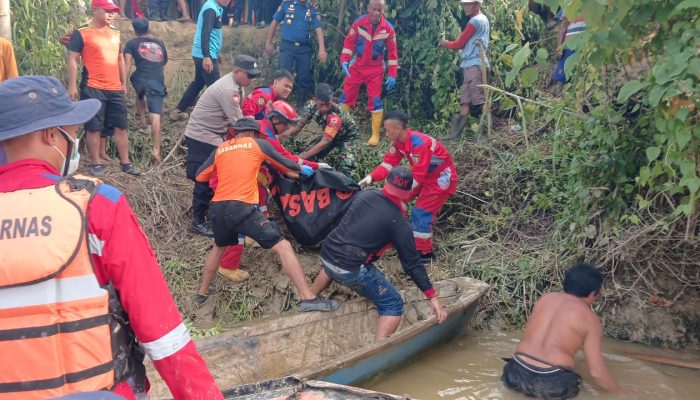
[
  {"x": 370, "y": 223},
  {"x": 149, "y": 55}
]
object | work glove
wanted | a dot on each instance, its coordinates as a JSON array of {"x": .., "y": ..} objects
[
  {"x": 306, "y": 170},
  {"x": 322, "y": 165},
  {"x": 390, "y": 83},
  {"x": 346, "y": 68},
  {"x": 366, "y": 181}
]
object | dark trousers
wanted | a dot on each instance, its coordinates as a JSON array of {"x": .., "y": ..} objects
[
  {"x": 158, "y": 8},
  {"x": 195, "y": 7},
  {"x": 201, "y": 79},
  {"x": 298, "y": 59},
  {"x": 258, "y": 9},
  {"x": 197, "y": 154},
  {"x": 271, "y": 7}
]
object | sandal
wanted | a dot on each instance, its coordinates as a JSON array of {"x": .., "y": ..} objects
[
  {"x": 97, "y": 170},
  {"x": 130, "y": 169}
]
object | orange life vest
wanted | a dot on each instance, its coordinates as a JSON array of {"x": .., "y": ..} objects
[{"x": 56, "y": 336}]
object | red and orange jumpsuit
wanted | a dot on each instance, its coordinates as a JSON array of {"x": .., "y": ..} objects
[
  {"x": 364, "y": 48},
  {"x": 435, "y": 180}
]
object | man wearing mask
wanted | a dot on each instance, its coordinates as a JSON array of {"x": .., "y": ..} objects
[{"x": 81, "y": 293}]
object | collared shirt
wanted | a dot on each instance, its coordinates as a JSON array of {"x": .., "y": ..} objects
[
  {"x": 258, "y": 102},
  {"x": 297, "y": 19},
  {"x": 215, "y": 111},
  {"x": 122, "y": 256}
]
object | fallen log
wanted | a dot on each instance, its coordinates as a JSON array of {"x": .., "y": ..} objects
[{"x": 665, "y": 360}]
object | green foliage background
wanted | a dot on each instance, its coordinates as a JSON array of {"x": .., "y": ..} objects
[
  {"x": 37, "y": 26},
  {"x": 617, "y": 158}
]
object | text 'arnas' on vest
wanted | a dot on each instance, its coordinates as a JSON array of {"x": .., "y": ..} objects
[{"x": 19, "y": 228}]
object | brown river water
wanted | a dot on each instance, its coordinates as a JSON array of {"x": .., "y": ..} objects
[{"x": 470, "y": 366}]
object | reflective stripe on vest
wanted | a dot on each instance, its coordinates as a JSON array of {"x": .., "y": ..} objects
[
  {"x": 575, "y": 28},
  {"x": 54, "y": 316}
]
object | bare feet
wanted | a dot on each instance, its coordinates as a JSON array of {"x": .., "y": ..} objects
[
  {"x": 155, "y": 158},
  {"x": 104, "y": 157}
]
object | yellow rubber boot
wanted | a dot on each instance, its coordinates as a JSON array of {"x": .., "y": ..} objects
[
  {"x": 345, "y": 108},
  {"x": 234, "y": 275},
  {"x": 377, "y": 118}
]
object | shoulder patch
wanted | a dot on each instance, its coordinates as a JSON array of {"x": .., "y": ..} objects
[
  {"x": 392, "y": 149},
  {"x": 109, "y": 192},
  {"x": 417, "y": 141},
  {"x": 53, "y": 177}
]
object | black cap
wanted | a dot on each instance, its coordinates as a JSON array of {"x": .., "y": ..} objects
[
  {"x": 32, "y": 103},
  {"x": 246, "y": 124},
  {"x": 324, "y": 92},
  {"x": 399, "y": 183},
  {"x": 246, "y": 63}
]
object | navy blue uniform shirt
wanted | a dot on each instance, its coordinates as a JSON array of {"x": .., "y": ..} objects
[{"x": 297, "y": 19}]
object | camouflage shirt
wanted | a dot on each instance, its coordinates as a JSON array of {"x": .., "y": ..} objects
[{"x": 337, "y": 125}]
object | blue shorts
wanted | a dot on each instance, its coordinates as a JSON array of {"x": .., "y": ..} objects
[
  {"x": 152, "y": 90},
  {"x": 371, "y": 283}
]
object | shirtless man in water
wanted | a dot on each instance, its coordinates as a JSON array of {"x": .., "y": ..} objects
[{"x": 560, "y": 325}]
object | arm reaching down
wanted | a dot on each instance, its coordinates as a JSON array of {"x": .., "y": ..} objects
[{"x": 275, "y": 159}]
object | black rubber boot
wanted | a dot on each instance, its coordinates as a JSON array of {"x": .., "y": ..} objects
[{"x": 459, "y": 121}]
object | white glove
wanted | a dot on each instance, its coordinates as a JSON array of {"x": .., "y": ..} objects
[
  {"x": 366, "y": 181},
  {"x": 322, "y": 165}
]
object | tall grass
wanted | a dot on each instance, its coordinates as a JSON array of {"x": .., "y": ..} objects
[{"x": 37, "y": 26}]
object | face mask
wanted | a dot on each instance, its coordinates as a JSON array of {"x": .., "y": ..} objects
[{"x": 69, "y": 165}]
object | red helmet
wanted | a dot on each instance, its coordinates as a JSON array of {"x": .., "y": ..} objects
[{"x": 283, "y": 111}]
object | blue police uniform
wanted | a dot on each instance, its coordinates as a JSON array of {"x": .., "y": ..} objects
[{"x": 297, "y": 20}]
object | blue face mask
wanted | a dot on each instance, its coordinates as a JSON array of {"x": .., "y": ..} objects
[{"x": 69, "y": 165}]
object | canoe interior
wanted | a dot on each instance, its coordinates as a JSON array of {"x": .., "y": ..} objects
[
  {"x": 310, "y": 345},
  {"x": 291, "y": 388}
]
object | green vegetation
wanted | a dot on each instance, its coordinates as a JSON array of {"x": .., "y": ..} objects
[
  {"x": 37, "y": 26},
  {"x": 609, "y": 173}
]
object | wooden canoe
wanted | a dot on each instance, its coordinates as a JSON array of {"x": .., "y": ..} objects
[
  {"x": 336, "y": 347},
  {"x": 291, "y": 388}
]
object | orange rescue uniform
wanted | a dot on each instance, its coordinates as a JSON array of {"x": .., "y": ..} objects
[{"x": 236, "y": 163}]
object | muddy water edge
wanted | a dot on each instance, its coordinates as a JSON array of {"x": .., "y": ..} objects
[{"x": 470, "y": 366}]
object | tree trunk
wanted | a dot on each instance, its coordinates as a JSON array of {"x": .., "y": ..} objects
[
  {"x": 341, "y": 21},
  {"x": 5, "y": 22}
]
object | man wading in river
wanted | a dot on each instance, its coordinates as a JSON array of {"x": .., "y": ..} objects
[{"x": 560, "y": 325}]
